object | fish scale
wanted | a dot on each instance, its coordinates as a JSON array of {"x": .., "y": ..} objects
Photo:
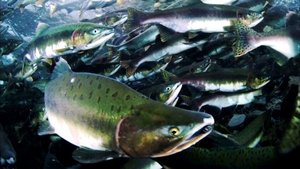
[
  {"x": 96, "y": 112},
  {"x": 77, "y": 101}
]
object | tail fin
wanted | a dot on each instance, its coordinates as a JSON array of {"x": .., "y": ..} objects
[
  {"x": 130, "y": 68},
  {"x": 243, "y": 34},
  {"x": 134, "y": 18},
  {"x": 61, "y": 67}
]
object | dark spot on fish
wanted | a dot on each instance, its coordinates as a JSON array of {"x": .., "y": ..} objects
[
  {"x": 74, "y": 97},
  {"x": 119, "y": 109},
  {"x": 79, "y": 86},
  {"x": 91, "y": 94},
  {"x": 99, "y": 99},
  {"x": 71, "y": 88},
  {"x": 99, "y": 86},
  {"x": 112, "y": 108},
  {"x": 107, "y": 90},
  {"x": 115, "y": 94},
  {"x": 91, "y": 82},
  {"x": 127, "y": 97},
  {"x": 81, "y": 97}
]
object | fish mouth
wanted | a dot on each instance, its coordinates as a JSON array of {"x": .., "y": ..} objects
[
  {"x": 176, "y": 89},
  {"x": 199, "y": 132},
  {"x": 99, "y": 40}
]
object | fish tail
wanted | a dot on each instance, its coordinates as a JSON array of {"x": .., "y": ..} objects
[
  {"x": 130, "y": 68},
  {"x": 244, "y": 39},
  {"x": 61, "y": 67},
  {"x": 134, "y": 18}
]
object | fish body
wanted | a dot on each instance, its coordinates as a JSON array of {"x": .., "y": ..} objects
[
  {"x": 95, "y": 4},
  {"x": 227, "y": 100},
  {"x": 227, "y": 80},
  {"x": 255, "y": 5},
  {"x": 101, "y": 114},
  {"x": 158, "y": 51},
  {"x": 141, "y": 40},
  {"x": 286, "y": 41},
  {"x": 142, "y": 74},
  {"x": 200, "y": 17},
  {"x": 66, "y": 39}
]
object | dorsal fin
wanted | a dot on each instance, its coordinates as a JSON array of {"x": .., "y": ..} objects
[
  {"x": 41, "y": 27},
  {"x": 61, "y": 67}
]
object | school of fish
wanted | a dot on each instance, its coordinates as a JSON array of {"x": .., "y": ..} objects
[{"x": 204, "y": 83}]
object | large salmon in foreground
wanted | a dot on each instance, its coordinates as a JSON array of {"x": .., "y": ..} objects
[{"x": 107, "y": 119}]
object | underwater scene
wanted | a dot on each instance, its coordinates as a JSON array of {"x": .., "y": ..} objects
[{"x": 149, "y": 84}]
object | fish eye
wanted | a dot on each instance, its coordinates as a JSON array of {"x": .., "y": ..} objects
[
  {"x": 168, "y": 89},
  {"x": 95, "y": 31},
  {"x": 174, "y": 131}
]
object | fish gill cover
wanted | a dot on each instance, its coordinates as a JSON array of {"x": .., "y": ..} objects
[{"x": 213, "y": 84}]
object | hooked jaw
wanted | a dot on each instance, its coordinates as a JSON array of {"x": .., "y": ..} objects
[
  {"x": 199, "y": 132},
  {"x": 100, "y": 40},
  {"x": 158, "y": 130}
]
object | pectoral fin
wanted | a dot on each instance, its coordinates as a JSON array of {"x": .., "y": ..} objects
[
  {"x": 85, "y": 155},
  {"x": 45, "y": 128}
]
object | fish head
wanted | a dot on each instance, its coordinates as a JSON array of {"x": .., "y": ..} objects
[
  {"x": 91, "y": 36},
  {"x": 157, "y": 130},
  {"x": 258, "y": 82},
  {"x": 170, "y": 93}
]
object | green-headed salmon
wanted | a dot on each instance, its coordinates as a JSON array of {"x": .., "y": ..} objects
[
  {"x": 98, "y": 113},
  {"x": 68, "y": 38},
  {"x": 195, "y": 18}
]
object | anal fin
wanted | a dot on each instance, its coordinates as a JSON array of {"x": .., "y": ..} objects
[{"x": 85, "y": 155}]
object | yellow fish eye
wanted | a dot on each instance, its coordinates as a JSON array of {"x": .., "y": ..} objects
[{"x": 174, "y": 131}]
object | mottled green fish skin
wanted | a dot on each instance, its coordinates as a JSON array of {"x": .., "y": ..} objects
[
  {"x": 104, "y": 101},
  {"x": 100, "y": 113}
]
